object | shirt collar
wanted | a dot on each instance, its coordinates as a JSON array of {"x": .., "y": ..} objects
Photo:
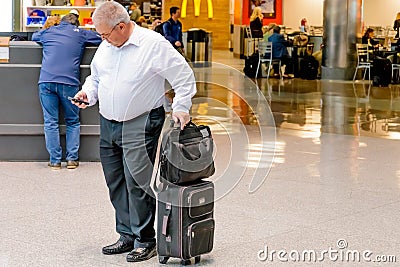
[{"x": 133, "y": 39}]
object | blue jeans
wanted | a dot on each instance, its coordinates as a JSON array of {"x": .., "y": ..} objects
[{"x": 52, "y": 96}]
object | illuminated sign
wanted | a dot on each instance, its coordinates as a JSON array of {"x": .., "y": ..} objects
[{"x": 197, "y": 4}]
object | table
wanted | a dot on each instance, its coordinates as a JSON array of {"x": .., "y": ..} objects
[{"x": 386, "y": 53}]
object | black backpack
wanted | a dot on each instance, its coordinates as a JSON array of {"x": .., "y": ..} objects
[{"x": 160, "y": 28}]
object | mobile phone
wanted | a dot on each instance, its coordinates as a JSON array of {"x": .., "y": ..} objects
[{"x": 78, "y": 100}]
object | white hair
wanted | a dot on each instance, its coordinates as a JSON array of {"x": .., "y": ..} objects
[{"x": 110, "y": 13}]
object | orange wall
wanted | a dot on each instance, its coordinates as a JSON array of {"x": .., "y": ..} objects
[
  {"x": 238, "y": 15},
  {"x": 246, "y": 16}
]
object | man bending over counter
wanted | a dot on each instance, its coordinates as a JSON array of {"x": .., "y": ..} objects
[{"x": 63, "y": 47}]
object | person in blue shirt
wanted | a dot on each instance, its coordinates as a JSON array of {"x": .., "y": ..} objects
[
  {"x": 279, "y": 47},
  {"x": 172, "y": 29},
  {"x": 63, "y": 47}
]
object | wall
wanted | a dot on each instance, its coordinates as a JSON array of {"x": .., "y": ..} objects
[
  {"x": 376, "y": 13},
  {"x": 295, "y": 10},
  {"x": 237, "y": 9},
  {"x": 219, "y": 25},
  {"x": 6, "y": 16},
  {"x": 266, "y": 21},
  {"x": 380, "y": 13}
]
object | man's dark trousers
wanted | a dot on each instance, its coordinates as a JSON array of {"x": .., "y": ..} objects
[{"x": 127, "y": 151}]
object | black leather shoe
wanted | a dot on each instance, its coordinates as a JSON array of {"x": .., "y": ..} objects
[
  {"x": 141, "y": 254},
  {"x": 118, "y": 247}
]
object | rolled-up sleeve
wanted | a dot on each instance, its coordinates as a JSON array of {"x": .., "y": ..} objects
[{"x": 178, "y": 73}]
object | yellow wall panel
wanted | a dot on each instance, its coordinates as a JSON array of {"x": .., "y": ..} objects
[{"x": 218, "y": 25}]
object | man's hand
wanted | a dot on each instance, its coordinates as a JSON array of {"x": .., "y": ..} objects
[
  {"x": 178, "y": 44},
  {"x": 182, "y": 117},
  {"x": 82, "y": 96}
]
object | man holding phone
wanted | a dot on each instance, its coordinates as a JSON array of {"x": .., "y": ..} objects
[
  {"x": 127, "y": 78},
  {"x": 63, "y": 47}
]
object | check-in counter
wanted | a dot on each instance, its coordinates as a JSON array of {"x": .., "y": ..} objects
[{"x": 21, "y": 122}]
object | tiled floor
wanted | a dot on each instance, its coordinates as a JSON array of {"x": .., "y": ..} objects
[{"x": 326, "y": 180}]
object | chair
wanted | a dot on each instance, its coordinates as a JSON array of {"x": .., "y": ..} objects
[
  {"x": 363, "y": 60},
  {"x": 251, "y": 42},
  {"x": 265, "y": 55}
]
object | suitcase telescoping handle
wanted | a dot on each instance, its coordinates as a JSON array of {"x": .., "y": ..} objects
[{"x": 166, "y": 219}]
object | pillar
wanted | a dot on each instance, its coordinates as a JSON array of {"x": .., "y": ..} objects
[{"x": 342, "y": 25}]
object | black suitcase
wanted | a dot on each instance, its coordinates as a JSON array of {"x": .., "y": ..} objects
[
  {"x": 381, "y": 71},
  {"x": 250, "y": 66},
  {"x": 185, "y": 224},
  {"x": 309, "y": 68}
]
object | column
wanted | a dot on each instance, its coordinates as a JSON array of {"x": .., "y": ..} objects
[{"x": 342, "y": 25}]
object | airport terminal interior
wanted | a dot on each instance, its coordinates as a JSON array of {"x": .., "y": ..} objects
[
  {"x": 301, "y": 165},
  {"x": 306, "y": 170}
]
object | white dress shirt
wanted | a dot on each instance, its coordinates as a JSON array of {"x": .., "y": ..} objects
[{"x": 130, "y": 80}]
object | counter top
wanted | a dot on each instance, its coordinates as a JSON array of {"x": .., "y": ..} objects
[{"x": 29, "y": 52}]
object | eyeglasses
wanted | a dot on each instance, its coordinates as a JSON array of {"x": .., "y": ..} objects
[{"x": 107, "y": 35}]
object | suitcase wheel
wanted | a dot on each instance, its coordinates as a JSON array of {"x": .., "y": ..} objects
[
  {"x": 186, "y": 262},
  {"x": 162, "y": 259},
  {"x": 197, "y": 259}
]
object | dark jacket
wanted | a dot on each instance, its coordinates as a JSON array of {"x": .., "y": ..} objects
[
  {"x": 279, "y": 45},
  {"x": 372, "y": 42},
  {"x": 396, "y": 27},
  {"x": 256, "y": 28},
  {"x": 173, "y": 31},
  {"x": 63, "y": 47}
]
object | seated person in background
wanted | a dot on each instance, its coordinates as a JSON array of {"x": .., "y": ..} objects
[
  {"x": 268, "y": 31},
  {"x": 141, "y": 21},
  {"x": 279, "y": 50},
  {"x": 368, "y": 39},
  {"x": 256, "y": 23},
  {"x": 318, "y": 56}
]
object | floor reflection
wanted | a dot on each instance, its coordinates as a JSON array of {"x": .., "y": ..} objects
[
  {"x": 313, "y": 106},
  {"x": 335, "y": 107}
]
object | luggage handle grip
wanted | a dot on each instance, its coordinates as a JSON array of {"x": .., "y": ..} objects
[
  {"x": 166, "y": 219},
  {"x": 172, "y": 123}
]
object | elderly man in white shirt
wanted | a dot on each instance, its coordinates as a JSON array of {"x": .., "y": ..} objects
[{"x": 128, "y": 74}]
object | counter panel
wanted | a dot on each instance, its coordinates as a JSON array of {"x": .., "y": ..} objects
[{"x": 21, "y": 123}]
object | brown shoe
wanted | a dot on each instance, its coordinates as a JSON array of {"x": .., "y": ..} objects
[
  {"x": 54, "y": 166},
  {"x": 72, "y": 164}
]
